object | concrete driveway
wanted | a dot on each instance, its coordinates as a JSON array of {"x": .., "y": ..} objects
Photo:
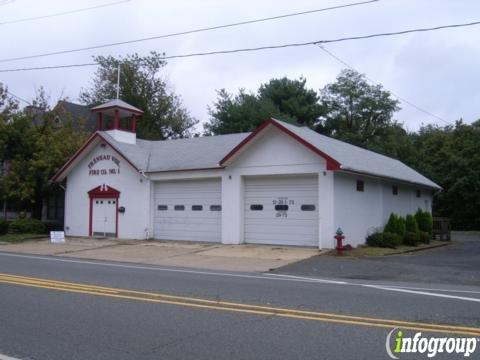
[
  {"x": 458, "y": 263},
  {"x": 256, "y": 258}
]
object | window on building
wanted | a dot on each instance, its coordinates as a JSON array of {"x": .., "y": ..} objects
[
  {"x": 307, "y": 207},
  {"x": 162, "y": 207},
  {"x": 197, "y": 207},
  {"x": 256, "y": 207},
  {"x": 419, "y": 193},
  {"x": 55, "y": 208},
  {"x": 360, "y": 185},
  {"x": 179, "y": 207},
  {"x": 215, "y": 207},
  {"x": 281, "y": 207},
  {"x": 395, "y": 190}
]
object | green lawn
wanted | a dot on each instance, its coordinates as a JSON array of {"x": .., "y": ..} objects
[{"x": 14, "y": 238}]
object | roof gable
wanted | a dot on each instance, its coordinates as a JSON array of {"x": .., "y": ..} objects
[
  {"x": 332, "y": 164},
  {"x": 80, "y": 154}
]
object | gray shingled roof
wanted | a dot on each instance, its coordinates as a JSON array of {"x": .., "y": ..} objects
[
  {"x": 179, "y": 154},
  {"x": 207, "y": 152},
  {"x": 356, "y": 159}
]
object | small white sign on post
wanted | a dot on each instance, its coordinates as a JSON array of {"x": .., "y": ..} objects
[{"x": 57, "y": 237}]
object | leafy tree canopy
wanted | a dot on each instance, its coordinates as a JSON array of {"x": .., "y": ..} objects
[
  {"x": 141, "y": 86},
  {"x": 289, "y": 100},
  {"x": 357, "y": 112},
  {"x": 33, "y": 154}
]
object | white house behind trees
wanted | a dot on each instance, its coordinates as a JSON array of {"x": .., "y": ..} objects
[{"x": 281, "y": 184}]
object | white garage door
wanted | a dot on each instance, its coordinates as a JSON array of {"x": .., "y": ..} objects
[
  {"x": 188, "y": 210},
  {"x": 281, "y": 210}
]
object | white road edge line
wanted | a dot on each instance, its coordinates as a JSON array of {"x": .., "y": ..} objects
[
  {"x": 138, "y": 267},
  {"x": 425, "y": 293},
  {"x": 430, "y": 289},
  {"x": 266, "y": 276},
  {"x": 318, "y": 280},
  {"x": 6, "y": 357}
]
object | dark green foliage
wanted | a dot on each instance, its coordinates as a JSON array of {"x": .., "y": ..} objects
[
  {"x": 3, "y": 227},
  {"x": 142, "y": 86},
  {"x": 424, "y": 220},
  {"x": 293, "y": 98},
  {"x": 384, "y": 239},
  {"x": 395, "y": 225},
  {"x": 411, "y": 224},
  {"x": 34, "y": 153},
  {"x": 411, "y": 238},
  {"x": 240, "y": 113},
  {"x": 375, "y": 239},
  {"x": 425, "y": 237},
  {"x": 357, "y": 112},
  {"x": 285, "y": 99},
  {"x": 27, "y": 226},
  {"x": 450, "y": 156},
  {"x": 391, "y": 240}
]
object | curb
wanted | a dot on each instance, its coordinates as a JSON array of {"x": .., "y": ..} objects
[{"x": 447, "y": 243}]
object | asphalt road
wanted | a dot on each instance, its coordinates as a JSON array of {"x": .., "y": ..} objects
[
  {"x": 42, "y": 319},
  {"x": 457, "y": 263}
]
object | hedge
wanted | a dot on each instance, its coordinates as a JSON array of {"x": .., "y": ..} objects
[
  {"x": 27, "y": 226},
  {"x": 3, "y": 227}
]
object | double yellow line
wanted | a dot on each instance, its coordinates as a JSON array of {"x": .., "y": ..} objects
[{"x": 232, "y": 306}]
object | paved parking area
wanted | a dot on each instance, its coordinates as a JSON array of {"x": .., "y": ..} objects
[
  {"x": 458, "y": 263},
  {"x": 250, "y": 258}
]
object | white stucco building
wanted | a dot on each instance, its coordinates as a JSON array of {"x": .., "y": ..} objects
[{"x": 280, "y": 184}]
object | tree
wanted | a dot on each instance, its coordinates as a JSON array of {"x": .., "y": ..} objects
[
  {"x": 34, "y": 154},
  {"x": 239, "y": 113},
  {"x": 357, "y": 112},
  {"x": 450, "y": 156},
  {"x": 286, "y": 99},
  {"x": 141, "y": 86},
  {"x": 293, "y": 98},
  {"x": 8, "y": 105}
]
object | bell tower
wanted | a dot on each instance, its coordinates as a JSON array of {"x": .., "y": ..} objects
[{"x": 118, "y": 119}]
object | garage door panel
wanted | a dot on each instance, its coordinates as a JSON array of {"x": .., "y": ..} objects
[
  {"x": 269, "y": 222},
  {"x": 187, "y": 224},
  {"x": 295, "y": 226}
]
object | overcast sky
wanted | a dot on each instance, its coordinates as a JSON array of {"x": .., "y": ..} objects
[{"x": 437, "y": 71}]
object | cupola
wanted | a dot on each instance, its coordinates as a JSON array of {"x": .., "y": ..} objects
[{"x": 118, "y": 119}]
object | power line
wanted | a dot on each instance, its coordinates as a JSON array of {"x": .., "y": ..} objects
[
  {"x": 188, "y": 31},
  {"x": 375, "y": 82},
  {"x": 62, "y": 13},
  {"x": 49, "y": 67},
  {"x": 17, "y": 97},
  {"x": 270, "y": 47}
]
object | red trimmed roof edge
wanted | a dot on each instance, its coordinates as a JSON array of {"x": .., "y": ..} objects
[
  {"x": 139, "y": 112},
  {"x": 332, "y": 164},
  {"x": 82, "y": 148}
]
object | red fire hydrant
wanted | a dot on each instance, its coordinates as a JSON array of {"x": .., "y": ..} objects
[{"x": 339, "y": 237}]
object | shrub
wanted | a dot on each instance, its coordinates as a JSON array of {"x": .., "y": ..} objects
[
  {"x": 385, "y": 240},
  {"x": 391, "y": 240},
  {"x": 30, "y": 226},
  {"x": 411, "y": 238},
  {"x": 424, "y": 221},
  {"x": 3, "y": 227},
  {"x": 411, "y": 224},
  {"x": 425, "y": 237},
  {"x": 375, "y": 239},
  {"x": 395, "y": 225}
]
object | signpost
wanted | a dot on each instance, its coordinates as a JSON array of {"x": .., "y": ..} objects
[{"x": 57, "y": 237}]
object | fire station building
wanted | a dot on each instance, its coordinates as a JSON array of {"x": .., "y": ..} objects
[{"x": 281, "y": 184}]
